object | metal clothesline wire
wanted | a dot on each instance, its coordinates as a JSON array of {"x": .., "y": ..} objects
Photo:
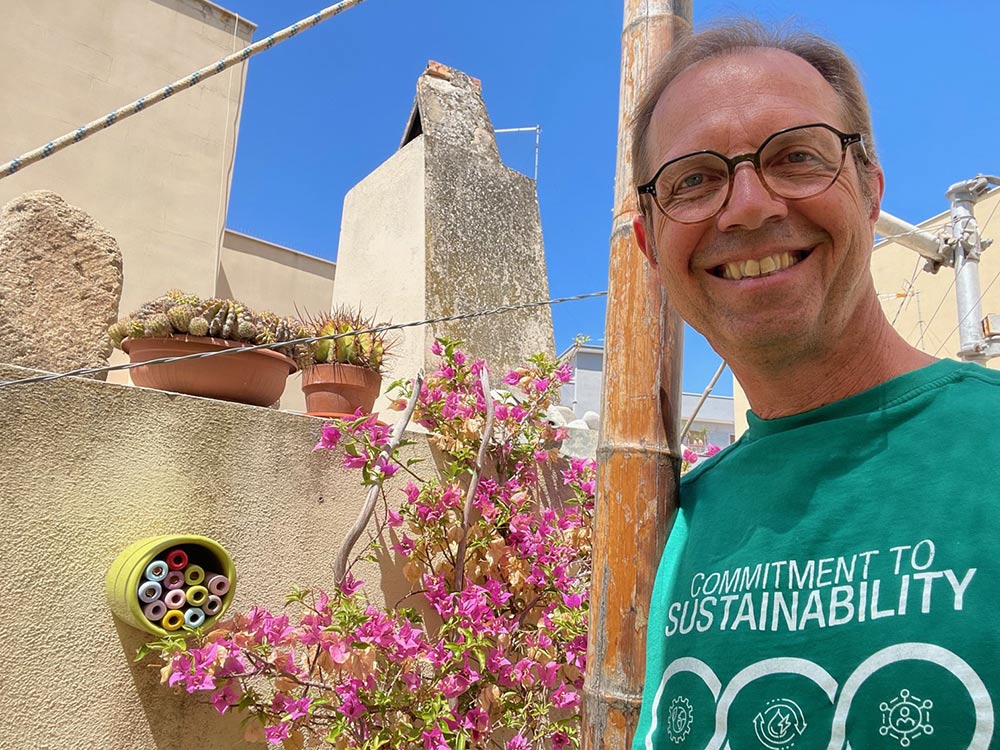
[
  {"x": 304, "y": 340},
  {"x": 75, "y": 136}
]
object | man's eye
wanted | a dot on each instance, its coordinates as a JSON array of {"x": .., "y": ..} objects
[{"x": 692, "y": 180}]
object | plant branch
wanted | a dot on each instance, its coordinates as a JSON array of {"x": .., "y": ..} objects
[
  {"x": 477, "y": 473},
  {"x": 340, "y": 564}
]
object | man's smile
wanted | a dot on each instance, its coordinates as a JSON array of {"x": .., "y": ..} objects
[{"x": 757, "y": 268}]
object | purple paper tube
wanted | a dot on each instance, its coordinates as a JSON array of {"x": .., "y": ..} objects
[
  {"x": 174, "y": 579},
  {"x": 175, "y": 599},
  {"x": 150, "y": 591},
  {"x": 156, "y": 570},
  {"x": 154, "y": 611},
  {"x": 213, "y": 605},
  {"x": 217, "y": 584}
]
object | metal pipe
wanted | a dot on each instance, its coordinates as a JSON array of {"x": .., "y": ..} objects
[
  {"x": 704, "y": 397},
  {"x": 967, "y": 249},
  {"x": 914, "y": 238}
]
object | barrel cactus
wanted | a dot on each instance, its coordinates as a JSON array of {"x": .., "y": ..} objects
[{"x": 366, "y": 349}]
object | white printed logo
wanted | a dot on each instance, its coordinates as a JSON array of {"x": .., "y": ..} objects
[
  {"x": 906, "y": 717},
  {"x": 779, "y": 724},
  {"x": 679, "y": 719}
]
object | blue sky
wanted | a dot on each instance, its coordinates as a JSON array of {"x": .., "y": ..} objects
[{"x": 325, "y": 108}]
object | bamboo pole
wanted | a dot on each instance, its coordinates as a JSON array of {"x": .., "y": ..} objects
[{"x": 637, "y": 450}]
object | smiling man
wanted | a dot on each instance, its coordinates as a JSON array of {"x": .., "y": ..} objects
[{"x": 827, "y": 579}]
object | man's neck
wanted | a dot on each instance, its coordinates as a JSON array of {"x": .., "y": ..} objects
[{"x": 781, "y": 388}]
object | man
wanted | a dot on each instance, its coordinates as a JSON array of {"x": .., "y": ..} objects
[{"x": 829, "y": 580}]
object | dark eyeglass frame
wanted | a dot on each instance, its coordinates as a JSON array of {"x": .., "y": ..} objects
[{"x": 846, "y": 140}]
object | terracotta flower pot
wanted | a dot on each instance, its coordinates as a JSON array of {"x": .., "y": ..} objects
[
  {"x": 336, "y": 390},
  {"x": 256, "y": 378}
]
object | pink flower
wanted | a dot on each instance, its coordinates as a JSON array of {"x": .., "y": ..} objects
[
  {"x": 564, "y": 698},
  {"x": 564, "y": 373},
  {"x": 394, "y": 519},
  {"x": 436, "y": 348},
  {"x": 541, "y": 456},
  {"x": 405, "y": 546},
  {"x": 512, "y": 378},
  {"x": 572, "y": 600},
  {"x": 350, "y": 584},
  {"x": 274, "y": 735},
  {"x": 711, "y": 449},
  {"x": 560, "y": 740},
  {"x": 690, "y": 456},
  {"x": 329, "y": 439},
  {"x": 518, "y": 742},
  {"x": 434, "y": 739},
  {"x": 459, "y": 357},
  {"x": 225, "y": 697}
]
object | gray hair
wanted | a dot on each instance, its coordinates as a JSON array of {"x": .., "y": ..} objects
[{"x": 747, "y": 34}]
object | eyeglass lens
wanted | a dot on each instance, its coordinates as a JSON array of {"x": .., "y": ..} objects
[{"x": 795, "y": 164}]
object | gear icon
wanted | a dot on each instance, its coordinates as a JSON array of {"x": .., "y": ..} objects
[
  {"x": 906, "y": 717},
  {"x": 679, "y": 719}
]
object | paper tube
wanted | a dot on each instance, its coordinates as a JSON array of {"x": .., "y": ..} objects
[
  {"x": 177, "y": 559},
  {"x": 175, "y": 599},
  {"x": 174, "y": 580},
  {"x": 172, "y": 620},
  {"x": 150, "y": 591},
  {"x": 193, "y": 575},
  {"x": 155, "y": 610},
  {"x": 156, "y": 570},
  {"x": 193, "y": 617},
  {"x": 217, "y": 584},
  {"x": 213, "y": 605},
  {"x": 197, "y": 595}
]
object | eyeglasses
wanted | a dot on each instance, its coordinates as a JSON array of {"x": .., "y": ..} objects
[{"x": 794, "y": 163}]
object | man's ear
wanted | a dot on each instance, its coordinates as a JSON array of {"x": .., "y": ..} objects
[
  {"x": 645, "y": 242},
  {"x": 876, "y": 179}
]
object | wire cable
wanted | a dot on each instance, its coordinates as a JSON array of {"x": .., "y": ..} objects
[{"x": 304, "y": 340}]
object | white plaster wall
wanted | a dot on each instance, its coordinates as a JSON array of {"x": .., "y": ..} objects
[{"x": 381, "y": 258}]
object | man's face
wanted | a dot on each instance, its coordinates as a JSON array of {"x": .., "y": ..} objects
[{"x": 730, "y": 105}]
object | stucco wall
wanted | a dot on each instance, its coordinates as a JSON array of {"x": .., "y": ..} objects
[
  {"x": 271, "y": 277},
  {"x": 90, "y": 467},
  {"x": 381, "y": 260},
  {"x": 154, "y": 181}
]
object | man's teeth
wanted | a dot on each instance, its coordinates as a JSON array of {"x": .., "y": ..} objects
[{"x": 743, "y": 269}]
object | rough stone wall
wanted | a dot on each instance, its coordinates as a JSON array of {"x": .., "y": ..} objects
[
  {"x": 484, "y": 233},
  {"x": 88, "y": 468},
  {"x": 60, "y": 284},
  {"x": 443, "y": 227}
]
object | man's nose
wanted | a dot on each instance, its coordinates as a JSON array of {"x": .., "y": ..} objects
[{"x": 750, "y": 204}]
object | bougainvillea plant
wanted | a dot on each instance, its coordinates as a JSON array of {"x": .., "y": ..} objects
[{"x": 488, "y": 649}]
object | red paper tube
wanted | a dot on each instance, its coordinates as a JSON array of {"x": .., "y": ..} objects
[{"x": 177, "y": 559}]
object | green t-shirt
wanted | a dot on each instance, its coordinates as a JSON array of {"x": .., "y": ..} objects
[{"x": 831, "y": 580}]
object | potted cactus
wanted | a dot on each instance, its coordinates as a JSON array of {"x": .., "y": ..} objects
[
  {"x": 177, "y": 324},
  {"x": 344, "y": 374}
]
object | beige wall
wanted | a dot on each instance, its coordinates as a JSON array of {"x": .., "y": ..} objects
[
  {"x": 271, "y": 277},
  {"x": 922, "y": 305},
  {"x": 153, "y": 181},
  {"x": 382, "y": 257},
  {"x": 89, "y": 468}
]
